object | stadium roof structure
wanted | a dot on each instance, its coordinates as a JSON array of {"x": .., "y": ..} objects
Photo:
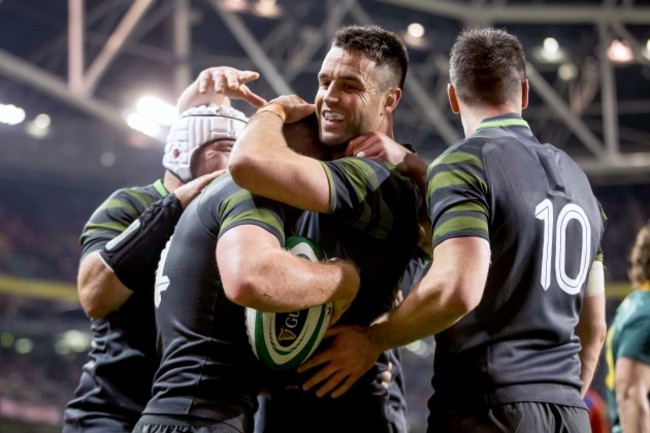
[{"x": 83, "y": 61}]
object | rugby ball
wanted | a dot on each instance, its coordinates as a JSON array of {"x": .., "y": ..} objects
[{"x": 286, "y": 340}]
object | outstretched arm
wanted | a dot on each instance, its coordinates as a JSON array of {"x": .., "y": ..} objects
[{"x": 451, "y": 288}]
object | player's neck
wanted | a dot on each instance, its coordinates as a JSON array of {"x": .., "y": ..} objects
[
  {"x": 170, "y": 181},
  {"x": 473, "y": 117}
]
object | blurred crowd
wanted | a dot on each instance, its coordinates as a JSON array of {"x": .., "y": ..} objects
[{"x": 39, "y": 230}]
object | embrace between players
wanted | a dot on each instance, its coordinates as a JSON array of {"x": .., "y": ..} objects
[{"x": 519, "y": 320}]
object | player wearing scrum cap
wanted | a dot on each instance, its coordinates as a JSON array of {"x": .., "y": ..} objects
[
  {"x": 226, "y": 253},
  {"x": 121, "y": 245}
]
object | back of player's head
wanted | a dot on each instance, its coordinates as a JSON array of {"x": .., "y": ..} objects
[
  {"x": 640, "y": 258},
  {"x": 373, "y": 42},
  {"x": 302, "y": 137},
  {"x": 195, "y": 128},
  {"x": 487, "y": 67}
]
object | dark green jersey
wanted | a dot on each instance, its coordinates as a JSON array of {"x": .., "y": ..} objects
[
  {"x": 628, "y": 337},
  {"x": 116, "y": 381},
  {"x": 536, "y": 208},
  {"x": 207, "y": 368}
]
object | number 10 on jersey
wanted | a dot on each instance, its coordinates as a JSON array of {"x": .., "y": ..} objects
[{"x": 555, "y": 246}]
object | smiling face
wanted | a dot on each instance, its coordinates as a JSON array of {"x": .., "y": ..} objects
[{"x": 352, "y": 97}]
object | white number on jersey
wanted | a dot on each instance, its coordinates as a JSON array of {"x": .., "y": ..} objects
[{"x": 555, "y": 245}]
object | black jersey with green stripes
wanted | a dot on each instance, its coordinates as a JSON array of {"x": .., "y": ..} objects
[
  {"x": 536, "y": 208},
  {"x": 373, "y": 221},
  {"x": 115, "y": 382},
  {"x": 207, "y": 368}
]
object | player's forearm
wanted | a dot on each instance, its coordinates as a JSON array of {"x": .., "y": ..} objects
[
  {"x": 287, "y": 283},
  {"x": 251, "y": 162},
  {"x": 262, "y": 162},
  {"x": 592, "y": 330},
  {"x": 100, "y": 291}
]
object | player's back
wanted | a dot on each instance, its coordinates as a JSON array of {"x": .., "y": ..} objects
[
  {"x": 207, "y": 367},
  {"x": 545, "y": 227}
]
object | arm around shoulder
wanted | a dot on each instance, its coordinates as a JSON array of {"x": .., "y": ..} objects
[{"x": 262, "y": 162}]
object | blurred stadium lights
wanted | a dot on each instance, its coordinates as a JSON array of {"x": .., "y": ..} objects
[
  {"x": 11, "y": 115},
  {"x": 157, "y": 110},
  {"x": 7, "y": 339},
  {"x": 620, "y": 51},
  {"x": 73, "y": 341},
  {"x": 235, "y": 5},
  {"x": 414, "y": 36},
  {"x": 39, "y": 127},
  {"x": 267, "y": 8},
  {"x": 152, "y": 116},
  {"x": 422, "y": 348},
  {"x": 24, "y": 345},
  {"x": 142, "y": 123},
  {"x": 567, "y": 71},
  {"x": 263, "y": 8},
  {"x": 550, "y": 51}
]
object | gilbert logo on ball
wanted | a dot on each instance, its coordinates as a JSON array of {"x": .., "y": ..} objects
[{"x": 286, "y": 340}]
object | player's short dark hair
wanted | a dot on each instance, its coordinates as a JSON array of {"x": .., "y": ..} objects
[
  {"x": 487, "y": 66},
  {"x": 639, "y": 271},
  {"x": 382, "y": 46}
]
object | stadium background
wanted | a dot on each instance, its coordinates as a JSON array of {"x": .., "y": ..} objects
[{"x": 72, "y": 71}]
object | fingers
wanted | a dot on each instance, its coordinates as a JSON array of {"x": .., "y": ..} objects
[
  {"x": 252, "y": 98},
  {"x": 312, "y": 362},
  {"x": 336, "y": 381},
  {"x": 224, "y": 79},
  {"x": 347, "y": 384}
]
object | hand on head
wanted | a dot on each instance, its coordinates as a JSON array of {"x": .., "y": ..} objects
[
  {"x": 291, "y": 108},
  {"x": 187, "y": 192},
  {"x": 230, "y": 82}
]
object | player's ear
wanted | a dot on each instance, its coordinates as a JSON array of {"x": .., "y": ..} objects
[
  {"x": 524, "y": 94},
  {"x": 392, "y": 99},
  {"x": 453, "y": 98}
]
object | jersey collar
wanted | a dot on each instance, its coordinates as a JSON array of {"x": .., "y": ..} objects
[
  {"x": 503, "y": 121},
  {"x": 160, "y": 188}
]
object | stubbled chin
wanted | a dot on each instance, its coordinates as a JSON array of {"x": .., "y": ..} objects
[{"x": 331, "y": 139}]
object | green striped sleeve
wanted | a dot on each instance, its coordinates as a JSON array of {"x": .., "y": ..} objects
[
  {"x": 457, "y": 194},
  {"x": 369, "y": 193}
]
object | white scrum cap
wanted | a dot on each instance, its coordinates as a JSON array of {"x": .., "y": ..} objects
[{"x": 196, "y": 127}]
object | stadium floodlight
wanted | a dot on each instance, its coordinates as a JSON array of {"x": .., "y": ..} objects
[
  {"x": 157, "y": 110},
  {"x": 11, "y": 115}
]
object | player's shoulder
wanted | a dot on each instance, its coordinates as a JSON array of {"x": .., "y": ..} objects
[
  {"x": 466, "y": 151},
  {"x": 154, "y": 190}
]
